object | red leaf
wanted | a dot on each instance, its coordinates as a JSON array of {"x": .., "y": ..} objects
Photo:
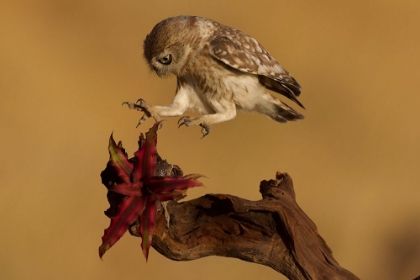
[
  {"x": 194, "y": 176},
  {"x": 175, "y": 195},
  {"x": 146, "y": 156},
  {"x": 141, "y": 190},
  {"x": 169, "y": 184},
  {"x": 119, "y": 161},
  {"x": 129, "y": 209},
  {"x": 147, "y": 225},
  {"x": 129, "y": 189}
]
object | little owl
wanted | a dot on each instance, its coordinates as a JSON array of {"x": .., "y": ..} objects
[{"x": 219, "y": 69}]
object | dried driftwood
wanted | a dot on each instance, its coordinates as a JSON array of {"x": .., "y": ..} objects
[{"x": 273, "y": 231}]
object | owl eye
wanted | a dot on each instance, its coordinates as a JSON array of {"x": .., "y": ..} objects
[{"x": 166, "y": 60}]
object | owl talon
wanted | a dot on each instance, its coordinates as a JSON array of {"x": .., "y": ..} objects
[
  {"x": 205, "y": 130},
  {"x": 132, "y": 105},
  {"x": 141, "y": 120},
  {"x": 148, "y": 111},
  {"x": 140, "y": 102},
  {"x": 185, "y": 120}
]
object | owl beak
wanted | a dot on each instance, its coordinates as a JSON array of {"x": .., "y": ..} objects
[{"x": 160, "y": 74}]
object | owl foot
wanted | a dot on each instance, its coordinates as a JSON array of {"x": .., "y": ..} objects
[
  {"x": 187, "y": 121},
  {"x": 148, "y": 111}
]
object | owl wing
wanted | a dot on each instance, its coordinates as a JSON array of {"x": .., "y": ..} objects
[{"x": 244, "y": 53}]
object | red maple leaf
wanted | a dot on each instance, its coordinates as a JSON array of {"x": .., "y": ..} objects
[{"x": 141, "y": 190}]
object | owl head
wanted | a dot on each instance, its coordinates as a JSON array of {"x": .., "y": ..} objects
[{"x": 164, "y": 48}]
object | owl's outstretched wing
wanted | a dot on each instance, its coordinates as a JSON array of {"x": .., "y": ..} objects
[{"x": 244, "y": 53}]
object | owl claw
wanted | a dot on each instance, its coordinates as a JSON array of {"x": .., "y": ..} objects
[
  {"x": 187, "y": 121},
  {"x": 205, "y": 129},
  {"x": 140, "y": 102},
  {"x": 141, "y": 120},
  {"x": 141, "y": 105},
  {"x": 131, "y": 105}
]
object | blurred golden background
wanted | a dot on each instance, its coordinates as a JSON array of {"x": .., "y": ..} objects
[{"x": 66, "y": 67}]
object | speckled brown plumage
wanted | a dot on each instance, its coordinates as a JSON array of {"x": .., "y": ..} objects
[{"x": 219, "y": 70}]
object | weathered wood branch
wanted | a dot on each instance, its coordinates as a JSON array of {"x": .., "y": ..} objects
[{"x": 273, "y": 231}]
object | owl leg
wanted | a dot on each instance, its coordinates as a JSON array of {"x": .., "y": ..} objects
[
  {"x": 177, "y": 108},
  {"x": 141, "y": 105}
]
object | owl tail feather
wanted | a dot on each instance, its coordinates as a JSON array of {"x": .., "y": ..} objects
[{"x": 284, "y": 113}]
